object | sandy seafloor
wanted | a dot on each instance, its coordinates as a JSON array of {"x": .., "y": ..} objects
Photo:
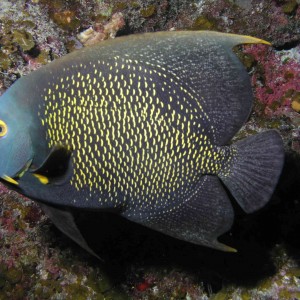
[{"x": 38, "y": 262}]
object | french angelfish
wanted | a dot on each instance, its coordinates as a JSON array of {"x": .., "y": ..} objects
[{"x": 141, "y": 126}]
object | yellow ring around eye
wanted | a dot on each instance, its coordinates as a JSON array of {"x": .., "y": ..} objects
[{"x": 3, "y": 128}]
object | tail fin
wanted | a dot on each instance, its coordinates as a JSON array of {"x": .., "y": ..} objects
[{"x": 255, "y": 169}]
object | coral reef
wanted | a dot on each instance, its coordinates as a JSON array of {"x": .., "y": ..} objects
[
  {"x": 38, "y": 262},
  {"x": 276, "y": 78}
]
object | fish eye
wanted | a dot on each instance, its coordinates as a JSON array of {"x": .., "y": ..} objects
[{"x": 3, "y": 128}]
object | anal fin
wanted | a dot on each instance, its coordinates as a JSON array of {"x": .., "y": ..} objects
[{"x": 200, "y": 219}]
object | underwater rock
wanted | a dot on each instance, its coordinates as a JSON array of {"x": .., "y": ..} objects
[
  {"x": 90, "y": 36},
  {"x": 109, "y": 30}
]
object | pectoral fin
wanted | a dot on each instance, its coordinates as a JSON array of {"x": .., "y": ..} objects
[{"x": 56, "y": 168}]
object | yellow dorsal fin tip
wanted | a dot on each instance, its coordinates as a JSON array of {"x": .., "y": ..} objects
[{"x": 252, "y": 40}]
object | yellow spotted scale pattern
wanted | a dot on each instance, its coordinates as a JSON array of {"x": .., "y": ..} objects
[{"x": 134, "y": 133}]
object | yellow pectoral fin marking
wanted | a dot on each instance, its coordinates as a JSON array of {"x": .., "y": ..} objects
[
  {"x": 10, "y": 180},
  {"x": 41, "y": 178}
]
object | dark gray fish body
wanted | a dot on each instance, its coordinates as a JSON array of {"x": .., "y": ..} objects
[{"x": 140, "y": 126}]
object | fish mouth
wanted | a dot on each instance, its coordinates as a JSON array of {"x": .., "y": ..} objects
[{"x": 14, "y": 179}]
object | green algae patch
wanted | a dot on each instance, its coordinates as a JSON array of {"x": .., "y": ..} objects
[
  {"x": 245, "y": 295},
  {"x": 71, "y": 45},
  {"x": 99, "y": 18},
  {"x": 24, "y": 39},
  {"x": 55, "y": 4},
  {"x": 43, "y": 57},
  {"x": 247, "y": 60},
  {"x": 287, "y": 294},
  {"x": 5, "y": 61},
  {"x": 296, "y": 102},
  {"x": 204, "y": 23},
  {"x": 149, "y": 11},
  {"x": 222, "y": 295},
  {"x": 120, "y": 6},
  {"x": 290, "y": 7},
  {"x": 66, "y": 19},
  {"x": 78, "y": 291},
  {"x": 99, "y": 283},
  {"x": 266, "y": 284},
  {"x": 134, "y": 5},
  {"x": 14, "y": 275}
]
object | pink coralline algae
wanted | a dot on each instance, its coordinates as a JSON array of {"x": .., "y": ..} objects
[{"x": 276, "y": 79}]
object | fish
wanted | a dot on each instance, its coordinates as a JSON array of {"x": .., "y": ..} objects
[{"x": 141, "y": 126}]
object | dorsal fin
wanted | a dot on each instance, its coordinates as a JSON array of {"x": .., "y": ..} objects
[
  {"x": 206, "y": 66},
  {"x": 203, "y": 63}
]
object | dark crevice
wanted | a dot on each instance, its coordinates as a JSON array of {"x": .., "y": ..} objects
[
  {"x": 34, "y": 52},
  {"x": 288, "y": 45}
]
